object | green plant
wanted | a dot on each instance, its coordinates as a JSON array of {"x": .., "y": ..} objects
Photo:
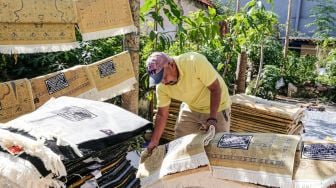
[{"x": 324, "y": 17}]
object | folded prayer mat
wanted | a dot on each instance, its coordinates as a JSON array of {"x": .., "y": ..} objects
[
  {"x": 315, "y": 165},
  {"x": 75, "y": 82},
  {"x": 37, "y": 37},
  {"x": 100, "y": 124},
  {"x": 104, "y": 18},
  {"x": 112, "y": 76},
  {"x": 265, "y": 159},
  {"x": 41, "y": 11},
  {"x": 179, "y": 155},
  {"x": 16, "y": 99}
]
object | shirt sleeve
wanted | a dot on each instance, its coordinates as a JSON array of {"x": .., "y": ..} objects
[
  {"x": 204, "y": 70},
  {"x": 162, "y": 98}
]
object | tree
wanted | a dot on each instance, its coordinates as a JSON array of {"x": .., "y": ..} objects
[
  {"x": 324, "y": 17},
  {"x": 131, "y": 99}
]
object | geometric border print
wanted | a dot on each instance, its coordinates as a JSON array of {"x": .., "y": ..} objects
[
  {"x": 235, "y": 141},
  {"x": 319, "y": 151},
  {"x": 75, "y": 113},
  {"x": 56, "y": 83},
  {"x": 106, "y": 69}
]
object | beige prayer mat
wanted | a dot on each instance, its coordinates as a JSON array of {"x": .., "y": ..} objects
[
  {"x": 16, "y": 99},
  {"x": 180, "y": 155},
  {"x": 34, "y": 38},
  {"x": 41, "y": 11},
  {"x": 199, "y": 179},
  {"x": 265, "y": 159},
  {"x": 74, "y": 82},
  {"x": 104, "y": 18},
  {"x": 112, "y": 76},
  {"x": 312, "y": 170}
]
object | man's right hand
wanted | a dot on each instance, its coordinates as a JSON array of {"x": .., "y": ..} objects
[{"x": 151, "y": 146}]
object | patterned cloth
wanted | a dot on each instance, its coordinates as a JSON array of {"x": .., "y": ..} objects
[
  {"x": 265, "y": 159},
  {"x": 185, "y": 153},
  {"x": 104, "y": 18}
]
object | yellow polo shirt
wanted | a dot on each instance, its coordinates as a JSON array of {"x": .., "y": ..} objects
[{"x": 196, "y": 73}]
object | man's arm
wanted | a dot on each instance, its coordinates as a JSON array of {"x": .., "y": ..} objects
[
  {"x": 160, "y": 123},
  {"x": 215, "y": 98}
]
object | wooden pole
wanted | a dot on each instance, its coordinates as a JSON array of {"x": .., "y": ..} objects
[
  {"x": 130, "y": 100},
  {"x": 289, "y": 12}
]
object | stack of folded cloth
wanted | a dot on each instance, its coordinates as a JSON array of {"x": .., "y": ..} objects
[
  {"x": 70, "y": 142},
  {"x": 169, "y": 131},
  {"x": 253, "y": 114}
]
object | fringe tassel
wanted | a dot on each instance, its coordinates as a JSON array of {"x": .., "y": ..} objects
[
  {"x": 50, "y": 160},
  {"x": 192, "y": 162},
  {"x": 262, "y": 178},
  {"x": 114, "y": 91},
  {"x": 37, "y": 48},
  {"x": 18, "y": 170},
  {"x": 314, "y": 183},
  {"x": 108, "y": 33}
]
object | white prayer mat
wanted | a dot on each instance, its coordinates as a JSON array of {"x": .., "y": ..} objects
[
  {"x": 80, "y": 123},
  {"x": 183, "y": 154},
  {"x": 265, "y": 159}
]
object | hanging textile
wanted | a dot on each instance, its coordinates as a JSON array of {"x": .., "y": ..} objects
[
  {"x": 75, "y": 82},
  {"x": 265, "y": 159},
  {"x": 112, "y": 76},
  {"x": 104, "y": 18},
  {"x": 16, "y": 99},
  {"x": 29, "y": 26}
]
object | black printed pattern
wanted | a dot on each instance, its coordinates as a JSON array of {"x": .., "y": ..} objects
[
  {"x": 108, "y": 132},
  {"x": 235, "y": 141},
  {"x": 106, "y": 69},
  {"x": 75, "y": 113},
  {"x": 319, "y": 151},
  {"x": 56, "y": 83}
]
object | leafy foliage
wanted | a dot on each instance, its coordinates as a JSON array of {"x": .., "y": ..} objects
[{"x": 324, "y": 17}]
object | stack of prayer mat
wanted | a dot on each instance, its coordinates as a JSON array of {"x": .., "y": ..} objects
[
  {"x": 254, "y": 114},
  {"x": 70, "y": 142},
  {"x": 169, "y": 131}
]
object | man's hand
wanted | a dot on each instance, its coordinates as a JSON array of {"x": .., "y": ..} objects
[
  {"x": 209, "y": 121},
  {"x": 151, "y": 146}
]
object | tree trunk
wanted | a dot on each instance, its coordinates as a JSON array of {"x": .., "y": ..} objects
[
  {"x": 240, "y": 72},
  {"x": 289, "y": 12},
  {"x": 130, "y": 100},
  {"x": 260, "y": 67}
]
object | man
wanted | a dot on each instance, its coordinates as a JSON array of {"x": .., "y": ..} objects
[{"x": 189, "y": 78}]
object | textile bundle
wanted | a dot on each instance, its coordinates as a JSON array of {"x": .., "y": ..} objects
[
  {"x": 16, "y": 99},
  {"x": 112, "y": 76},
  {"x": 265, "y": 159},
  {"x": 50, "y": 151},
  {"x": 169, "y": 131},
  {"x": 253, "y": 114},
  {"x": 25, "y": 30},
  {"x": 183, "y": 154},
  {"x": 74, "y": 82},
  {"x": 104, "y": 18}
]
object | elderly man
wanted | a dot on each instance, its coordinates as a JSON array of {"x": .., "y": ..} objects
[{"x": 189, "y": 78}]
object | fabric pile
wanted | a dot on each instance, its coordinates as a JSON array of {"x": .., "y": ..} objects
[
  {"x": 23, "y": 29},
  {"x": 70, "y": 142},
  {"x": 257, "y": 115},
  {"x": 169, "y": 131}
]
